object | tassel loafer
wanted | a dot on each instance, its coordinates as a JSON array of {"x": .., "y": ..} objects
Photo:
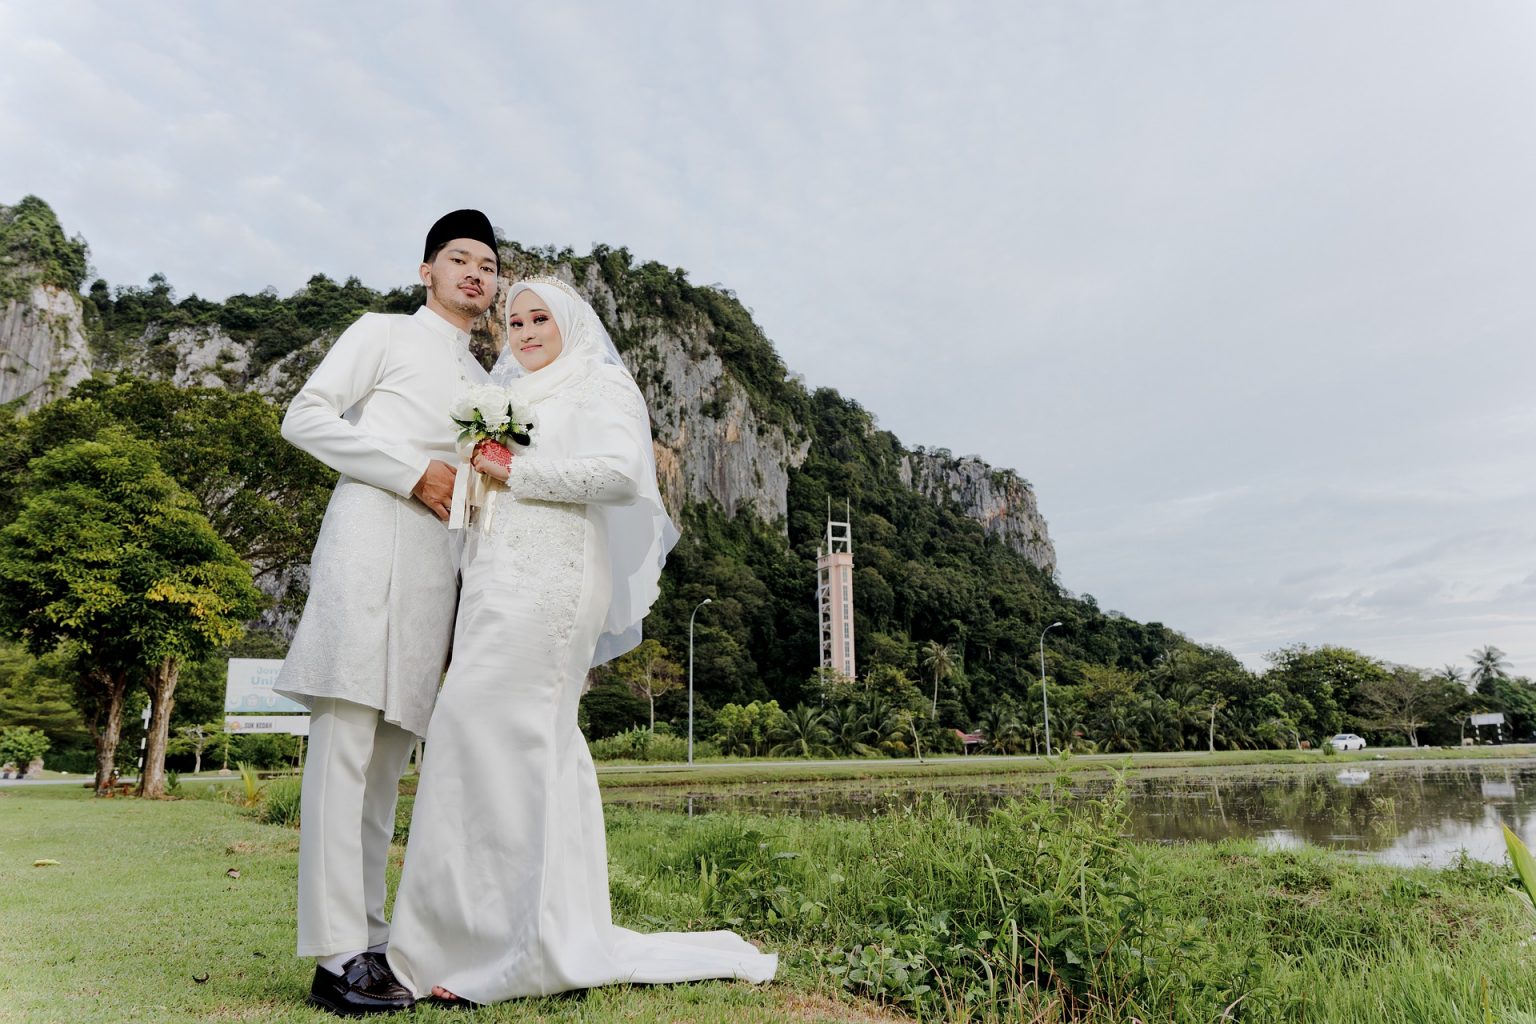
[{"x": 365, "y": 986}]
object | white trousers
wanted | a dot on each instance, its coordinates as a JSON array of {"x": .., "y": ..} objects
[{"x": 347, "y": 819}]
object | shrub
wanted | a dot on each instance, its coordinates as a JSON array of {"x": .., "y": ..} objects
[
  {"x": 280, "y": 801},
  {"x": 640, "y": 744},
  {"x": 22, "y": 745}
]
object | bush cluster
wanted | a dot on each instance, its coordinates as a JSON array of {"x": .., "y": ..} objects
[{"x": 640, "y": 744}]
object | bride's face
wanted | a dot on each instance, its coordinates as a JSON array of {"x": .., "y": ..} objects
[{"x": 532, "y": 332}]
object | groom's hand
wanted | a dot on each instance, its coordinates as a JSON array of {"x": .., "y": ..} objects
[{"x": 435, "y": 488}]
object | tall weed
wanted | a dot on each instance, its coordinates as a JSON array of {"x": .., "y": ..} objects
[
  {"x": 249, "y": 794},
  {"x": 1038, "y": 907},
  {"x": 280, "y": 801}
]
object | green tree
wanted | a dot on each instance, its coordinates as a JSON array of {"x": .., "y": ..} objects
[
  {"x": 884, "y": 725},
  {"x": 1000, "y": 727},
  {"x": 894, "y": 687},
  {"x": 200, "y": 691},
  {"x": 107, "y": 553},
  {"x": 1488, "y": 663},
  {"x": 748, "y": 729},
  {"x": 21, "y": 745},
  {"x": 1110, "y": 702},
  {"x": 1406, "y": 700},
  {"x": 264, "y": 497},
  {"x": 649, "y": 673},
  {"x": 1453, "y": 674},
  {"x": 38, "y": 692},
  {"x": 1516, "y": 698},
  {"x": 842, "y": 722},
  {"x": 610, "y": 707},
  {"x": 878, "y": 649},
  {"x": 802, "y": 733},
  {"x": 829, "y": 686},
  {"x": 939, "y": 661},
  {"x": 1320, "y": 685},
  {"x": 194, "y": 740}
]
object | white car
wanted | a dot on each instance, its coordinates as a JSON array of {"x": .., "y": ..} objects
[{"x": 1347, "y": 741}]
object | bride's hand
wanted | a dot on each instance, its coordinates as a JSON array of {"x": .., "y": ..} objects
[{"x": 492, "y": 459}]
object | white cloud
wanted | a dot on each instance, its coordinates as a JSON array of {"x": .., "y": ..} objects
[{"x": 1241, "y": 288}]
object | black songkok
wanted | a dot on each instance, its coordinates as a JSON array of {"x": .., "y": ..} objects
[{"x": 460, "y": 224}]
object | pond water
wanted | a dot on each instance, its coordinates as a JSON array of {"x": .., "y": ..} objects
[{"x": 1395, "y": 813}]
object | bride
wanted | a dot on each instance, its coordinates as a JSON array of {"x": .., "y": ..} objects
[{"x": 505, "y": 887}]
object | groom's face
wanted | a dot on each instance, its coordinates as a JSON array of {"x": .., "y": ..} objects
[{"x": 462, "y": 276}]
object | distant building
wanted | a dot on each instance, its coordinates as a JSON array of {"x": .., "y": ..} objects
[{"x": 834, "y": 594}]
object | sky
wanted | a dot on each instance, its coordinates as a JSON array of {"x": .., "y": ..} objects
[{"x": 1245, "y": 288}]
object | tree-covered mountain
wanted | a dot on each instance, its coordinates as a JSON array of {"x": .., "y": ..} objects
[{"x": 955, "y": 574}]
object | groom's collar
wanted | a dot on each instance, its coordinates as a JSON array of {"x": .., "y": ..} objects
[{"x": 440, "y": 327}]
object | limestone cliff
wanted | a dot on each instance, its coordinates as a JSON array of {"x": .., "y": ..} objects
[
  {"x": 43, "y": 350},
  {"x": 999, "y": 499}
]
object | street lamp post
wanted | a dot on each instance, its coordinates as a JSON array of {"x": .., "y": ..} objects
[
  {"x": 1045, "y": 697},
  {"x": 696, "y": 608}
]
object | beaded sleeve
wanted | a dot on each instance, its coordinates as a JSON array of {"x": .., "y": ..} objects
[
  {"x": 576, "y": 481},
  {"x": 602, "y": 479}
]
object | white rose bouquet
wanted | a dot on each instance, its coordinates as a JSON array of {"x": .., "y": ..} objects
[
  {"x": 485, "y": 413},
  {"x": 487, "y": 423}
]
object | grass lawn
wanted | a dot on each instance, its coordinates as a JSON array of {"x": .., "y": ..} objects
[
  {"x": 141, "y": 920},
  {"x": 183, "y": 910}
]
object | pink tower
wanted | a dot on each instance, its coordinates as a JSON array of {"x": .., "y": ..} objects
[{"x": 834, "y": 593}]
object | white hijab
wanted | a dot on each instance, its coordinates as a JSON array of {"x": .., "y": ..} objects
[{"x": 639, "y": 535}]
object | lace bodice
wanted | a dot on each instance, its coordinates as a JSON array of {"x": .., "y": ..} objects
[
  {"x": 540, "y": 547},
  {"x": 538, "y": 533}
]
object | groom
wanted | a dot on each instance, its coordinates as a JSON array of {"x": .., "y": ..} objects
[{"x": 370, "y": 648}]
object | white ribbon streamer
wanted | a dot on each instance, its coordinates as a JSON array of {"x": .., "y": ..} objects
[{"x": 458, "y": 510}]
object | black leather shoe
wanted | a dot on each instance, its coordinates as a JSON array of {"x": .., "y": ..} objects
[{"x": 366, "y": 985}]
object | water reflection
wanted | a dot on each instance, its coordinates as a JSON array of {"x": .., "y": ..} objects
[{"x": 1407, "y": 814}]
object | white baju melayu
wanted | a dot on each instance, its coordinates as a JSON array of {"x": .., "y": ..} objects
[
  {"x": 505, "y": 887},
  {"x": 370, "y": 648}
]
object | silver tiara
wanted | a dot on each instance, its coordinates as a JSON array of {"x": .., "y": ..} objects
[{"x": 553, "y": 282}]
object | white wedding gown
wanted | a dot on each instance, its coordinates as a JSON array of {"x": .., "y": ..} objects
[{"x": 505, "y": 886}]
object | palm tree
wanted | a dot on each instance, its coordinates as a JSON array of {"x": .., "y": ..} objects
[
  {"x": 1001, "y": 729},
  {"x": 1488, "y": 664},
  {"x": 803, "y": 734},
  {"x": 1071, "y": 732},
  {"x": 1235, "y": 725},
  {"x": 1159, "y": 723},
  {"x": 1452, "y": 674},
  {"x": 1186, "y": 704},
  {"x": 882, "y": 727},
  {"x": 940, "y": 660},
  {"x": 843, "y": 726},
  {"x": 1280, "y": 731},
  {"x": 1118, "y": 731}
]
